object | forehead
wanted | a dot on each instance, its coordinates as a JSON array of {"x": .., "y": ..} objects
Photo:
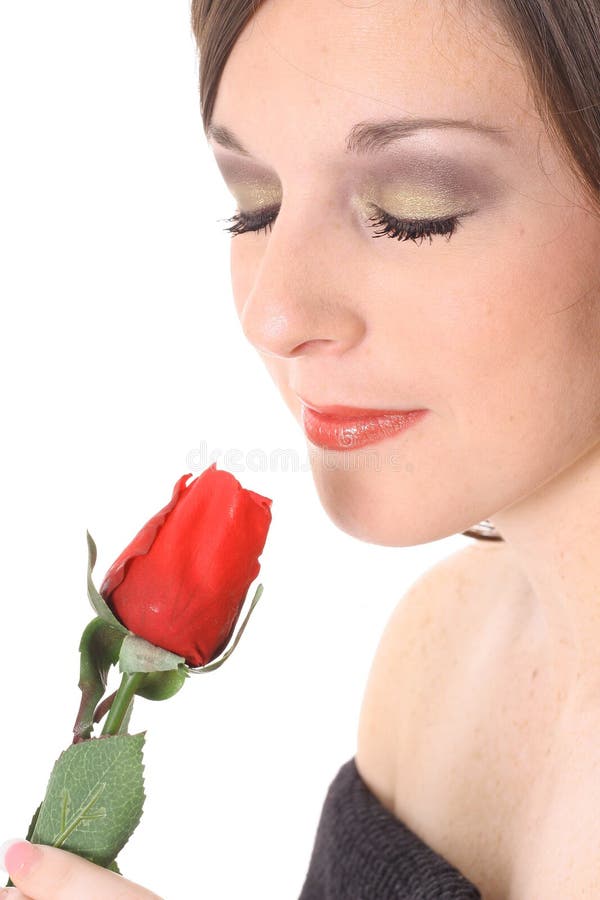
[{"x": 304, "y": 71}]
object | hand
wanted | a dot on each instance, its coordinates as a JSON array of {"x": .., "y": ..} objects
[{"x": 45, "y": 873}]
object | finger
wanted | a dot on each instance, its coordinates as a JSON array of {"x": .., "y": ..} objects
[
  {"x": 46, "y": 873},
  {"x": 12, "y": 894}
]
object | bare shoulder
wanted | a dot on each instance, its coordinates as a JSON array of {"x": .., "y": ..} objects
[
  {"x": 456, "y": 647},
  {"x": 438, "y": 606},
  {"x": 421, "y": 642}
]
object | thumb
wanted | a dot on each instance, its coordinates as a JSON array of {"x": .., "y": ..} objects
[{"x": 46, "y": 873}]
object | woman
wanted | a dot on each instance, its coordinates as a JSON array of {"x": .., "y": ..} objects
[{"x": 465, "y": 137}]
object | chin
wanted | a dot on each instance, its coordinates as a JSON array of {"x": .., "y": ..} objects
[{"x": 377, "y": 507}]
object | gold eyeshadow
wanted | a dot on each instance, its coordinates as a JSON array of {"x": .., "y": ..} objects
[
  {"x": 428, "y": 187},
  {"x": 413, "y": 187},
  {"x": 253, "y": 196},
  {"x": 409, "y": 201},
  {"x": 403, "y": 201}
]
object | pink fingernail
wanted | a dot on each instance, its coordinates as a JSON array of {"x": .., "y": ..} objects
[{"x": 18, "y": 856}]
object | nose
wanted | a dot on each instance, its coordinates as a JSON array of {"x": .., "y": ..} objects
[{"x": 300, "y": 301}]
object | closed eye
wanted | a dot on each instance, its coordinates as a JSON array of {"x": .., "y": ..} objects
[{"x": 401, "y": 229}]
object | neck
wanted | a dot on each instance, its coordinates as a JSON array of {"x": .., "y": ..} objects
[{"x": 554, "y": 538}]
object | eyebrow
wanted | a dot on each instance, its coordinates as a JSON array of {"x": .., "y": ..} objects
[{"x": 371, "y": 136}]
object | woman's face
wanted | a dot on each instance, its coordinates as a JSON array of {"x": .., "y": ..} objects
[{"x": 493, "y": 330}]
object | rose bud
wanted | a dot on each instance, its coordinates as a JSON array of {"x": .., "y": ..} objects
[{"x": 182, "y": 581}]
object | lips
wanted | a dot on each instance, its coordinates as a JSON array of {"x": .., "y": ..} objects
[{"x": 350, "y": 427}]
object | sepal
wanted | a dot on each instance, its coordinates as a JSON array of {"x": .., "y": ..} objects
[
  {"x": 139, "y": 655},
  {"x": 99, "y": 647},
  {"x": 215, "y": 665},
  {"x": 97, "y": 600}
]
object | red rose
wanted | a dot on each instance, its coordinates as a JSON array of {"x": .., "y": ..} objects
[{"x": 182, "y": 581}]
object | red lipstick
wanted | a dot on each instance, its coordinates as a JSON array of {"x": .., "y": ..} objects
[{"x": 351, "y": 427}]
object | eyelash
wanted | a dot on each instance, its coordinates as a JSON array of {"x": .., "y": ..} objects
[{"x": 402, "y": 229}]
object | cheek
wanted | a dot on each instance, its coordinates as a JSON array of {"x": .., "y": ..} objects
[{"x": 523, "y": 331}]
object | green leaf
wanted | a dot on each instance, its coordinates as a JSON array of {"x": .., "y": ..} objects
[
  {"x": 99, "y": 648},
  {"x": 215, "y": 665},
  {"x": 139, "y": 655},
  {"x": 96, "y": 599},
  {"x": 162, "y": 685},
  {"x": 94, "y": 799},
  {"x": 32, "y": 823},
  {"x": 114, "y": 867}
]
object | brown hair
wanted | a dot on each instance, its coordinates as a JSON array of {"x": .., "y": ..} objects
[{"x": 557, "y": 40}]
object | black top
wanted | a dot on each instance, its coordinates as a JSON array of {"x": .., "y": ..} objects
[{"x": 363, "y": 852}]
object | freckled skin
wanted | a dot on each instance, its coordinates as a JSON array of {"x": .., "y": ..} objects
[
  {"x": 495, "y": 332},
  {"x": 468, "y": 328}
]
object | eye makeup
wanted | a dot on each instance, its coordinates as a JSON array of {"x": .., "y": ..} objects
[
  {"x": 256, "y": 195},
  {"x": 415, "y": 185},
  {"x": 408, "y": 200},
  {"x": 427, "y": 185}
]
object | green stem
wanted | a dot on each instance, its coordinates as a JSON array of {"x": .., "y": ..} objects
[{"x": 124, "y": 697}]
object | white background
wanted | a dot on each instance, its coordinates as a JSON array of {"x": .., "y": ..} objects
[{"x": 121, "y": 358}]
